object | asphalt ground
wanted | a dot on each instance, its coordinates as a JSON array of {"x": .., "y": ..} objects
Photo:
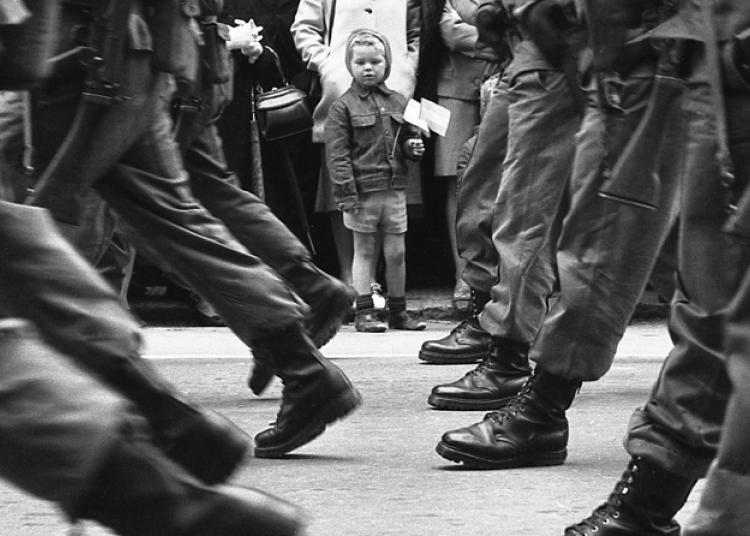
[{"x": 376, "y": 473}]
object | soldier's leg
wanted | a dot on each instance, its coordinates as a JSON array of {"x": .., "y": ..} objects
[
  {"x": 542, "y": 120},
  {"x": 56, "y": 422},
  {"x": 150, "y": 191},
  {"x": 69, "y": 440},
  {"x": 607, "y": 249},
  {"x": 723, "y": 504},
  {"x": 44, "y": 279},
  {"x": 530, "y": 203},
  {"x": 253, "y": 224},
  {"x": 477, "y": 192},
  {"x": 676, "y": 433}
]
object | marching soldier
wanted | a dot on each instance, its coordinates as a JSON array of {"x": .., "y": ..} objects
[
  {"x": 85, "y": 423},
  {"x": 674, "y": 437},
  {"x": 573, "y": 263},
  {"x": 131, "y": 53}
]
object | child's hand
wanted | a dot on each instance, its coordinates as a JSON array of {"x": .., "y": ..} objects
[
  {"x": 348, "y": 204},
  {"x": 415, "y": 146}
]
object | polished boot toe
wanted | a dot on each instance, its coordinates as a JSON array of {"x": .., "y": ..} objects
[
  {"x": 529, "y": 430},
  {"x": 467, "y": 343},
  {"x": 304, "y": 416},
  {"x": 489, "y": 386}
]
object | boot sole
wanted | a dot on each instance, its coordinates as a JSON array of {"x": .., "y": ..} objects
[
  {"x": 457, "y": 404},
  {"x": 451, "y": 359},
  {"x": 531, "y": 459},
  {"x": 334, "y": 410}
]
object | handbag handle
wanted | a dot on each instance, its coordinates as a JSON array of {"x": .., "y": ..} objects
[{"x": 277, "y": 63}]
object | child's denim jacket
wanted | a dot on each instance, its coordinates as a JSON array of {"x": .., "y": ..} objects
[{"x": 364, "y": 134}]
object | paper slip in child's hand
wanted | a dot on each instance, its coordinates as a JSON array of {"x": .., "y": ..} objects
[
  {"x": 412, "y": 116},
  {"x": 436, "y": 116},
  {"x": 427, "y": 116}
]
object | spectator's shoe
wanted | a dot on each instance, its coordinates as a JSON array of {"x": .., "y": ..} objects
[
  {"x": 643, "y": 503},
  {"x": 402, "y": 320},
  {"x": 367, "y": 321},
  {"x": 330, "y": 302},
  {"x": 138, "y": 492},
  {"x": 467, "y": 343},
  {"x": 316, "y": 393},
  {"x": 530, "y": 430},
  {"x": 491, "y": 384}
]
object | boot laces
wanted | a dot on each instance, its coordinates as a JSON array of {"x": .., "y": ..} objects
[
  {"x": 512, "y": 406},
  {"x": 461, "y": 327},
  {"x": 607, "y": 511}
]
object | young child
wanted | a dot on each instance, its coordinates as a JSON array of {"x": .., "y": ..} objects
[{"x": 367, "y": 143}]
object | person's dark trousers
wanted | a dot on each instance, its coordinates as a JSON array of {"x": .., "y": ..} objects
[
  {"x": 255, "y": 226},
  {"x": 140, "y": 175},
  {"x": 606, "y": 250},
  {"x": 531, "y": 201},
  {"x": 679, "y": 427},
  {"x": 56, "y": 421},
  {"x": 43, "y": 278},
  {"x": 70, "y": 440},
  {"x": 477, "y": 191}
]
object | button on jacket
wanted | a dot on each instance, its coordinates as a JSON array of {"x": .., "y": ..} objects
[{"x": 361, "y": 134}]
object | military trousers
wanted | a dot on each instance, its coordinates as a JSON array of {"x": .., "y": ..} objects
[
  {"x": 246, "y": 216},
  {"x": 542, "y": 121},
  {"x": 57, "y": 423},
  {"x": 140, "y": 174},
  {"x": 606, "y": 249},
  {"x": 680, "y": 424},
  {"x": 477, "y": 191}
]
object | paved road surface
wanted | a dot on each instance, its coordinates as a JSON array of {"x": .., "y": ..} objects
[{"x": 376, "y": 474}]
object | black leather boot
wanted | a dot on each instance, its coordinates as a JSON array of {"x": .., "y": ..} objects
[
  {"x": 138, "y": 492},
  {"x": 330, "y": 302},
  {"x": 330, "y": 299},
  {"x": 491, "y": 384},
  {"x": 466, "y": 343},
  {"x": 530, "y": 430},
  {"x": 643, "y": 503},
  {"x": 208, "y": 445},
  {"x": 316, "y": 393}
]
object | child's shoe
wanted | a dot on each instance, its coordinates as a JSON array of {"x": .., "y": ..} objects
[
  {"x": 402, "y": 320},
  {"x": 366, "y": 321}
]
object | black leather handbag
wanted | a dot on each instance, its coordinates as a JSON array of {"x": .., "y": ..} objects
[{"x": 282, "y": 111}]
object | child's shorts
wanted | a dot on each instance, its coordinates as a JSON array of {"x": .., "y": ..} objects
[{"x": 379, "y": 211}]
